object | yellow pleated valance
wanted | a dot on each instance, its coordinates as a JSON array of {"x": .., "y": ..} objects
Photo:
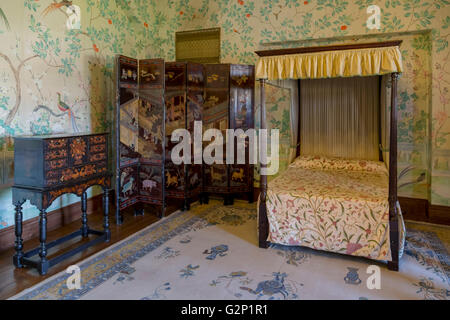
[{"x": 331, "y": 64}]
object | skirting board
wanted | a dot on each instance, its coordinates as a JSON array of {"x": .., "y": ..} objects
[
  {"x": 55, "y": 219},
  {"x": 422, "y": 210}
]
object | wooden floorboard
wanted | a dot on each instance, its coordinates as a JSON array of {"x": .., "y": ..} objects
[{"x": 13, "y": 281}]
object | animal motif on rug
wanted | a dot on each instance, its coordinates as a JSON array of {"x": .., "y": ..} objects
[
  {"x": 352, "y": 276},
  {"x": 125, "y": 274},
  {"x": 227, "y": 280},
  {"x": 167, "y": 253},
  {"x": 158, "y": 294},
  {"x": 275, "y": 288},
  {"x": 188, "y": 271},
  {"x": 186, "y": 239},
  {"x": 294, "y": 256},
  {"x": 216, "y": 251}
]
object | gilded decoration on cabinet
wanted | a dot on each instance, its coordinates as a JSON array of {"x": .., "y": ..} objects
[
  {"x": 56, "y": 154},
  {"x": 76, "y": 173},
  {"x": 97, "y": 139},
  {"x": 97, "y": 157},
  {"x": 78, "y": 149},
  {"x": 57, "y": 143},
  {"x": 77, "y": 189},
  {"x": 56, "y": 164},
  {"x": 97, "y": 148}
]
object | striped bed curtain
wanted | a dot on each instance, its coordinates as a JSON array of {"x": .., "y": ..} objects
[{"x": 340, "y": 117}]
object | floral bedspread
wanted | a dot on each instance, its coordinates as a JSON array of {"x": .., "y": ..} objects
[{"x": 333, "y": 205}]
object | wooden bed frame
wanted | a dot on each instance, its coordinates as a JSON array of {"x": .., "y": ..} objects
[{"x": 263, "y": 223}]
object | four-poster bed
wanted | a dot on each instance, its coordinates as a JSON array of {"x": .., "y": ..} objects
[{"x": 340, "y": 197}]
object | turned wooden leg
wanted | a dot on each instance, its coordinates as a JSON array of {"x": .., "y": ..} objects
[
  {"x": 84, "y": 226},
  {"x": 18, "y": 244},
  {"x": 43, "y": 264},
  {"x": 106, "y": 215},
  {"x": 250, "y": 197}
]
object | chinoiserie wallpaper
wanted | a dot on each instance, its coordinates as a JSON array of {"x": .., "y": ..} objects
[{"x": 56, "y": 79}]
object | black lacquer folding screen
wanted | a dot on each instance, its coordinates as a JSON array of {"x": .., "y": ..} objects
[{"x": 154, "y": 98}]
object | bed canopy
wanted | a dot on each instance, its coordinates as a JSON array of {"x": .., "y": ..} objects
[
  {"x": 354, "y": 60},
  {"x": 330, "y": 62}
]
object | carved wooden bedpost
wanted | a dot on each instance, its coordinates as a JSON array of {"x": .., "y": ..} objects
[
  {"x": 262, "y": 219},
  {"x": 393, "y": 214}
]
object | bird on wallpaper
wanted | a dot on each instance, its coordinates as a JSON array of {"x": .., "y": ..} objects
[
  {"x": 55, "y": 6},
  {"x": 65, "y": 108},
  {"x": 39, "y": 107}
]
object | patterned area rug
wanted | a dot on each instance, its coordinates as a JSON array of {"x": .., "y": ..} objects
[{"x": 211, "y": 252}]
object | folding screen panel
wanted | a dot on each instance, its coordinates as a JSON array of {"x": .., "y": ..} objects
[
  {"x": 175, "y": 98},
  {"x": 140, "y": 133},
  {"x": 242, "y": 82},
  {"x": 195, "y": 99},
  {"x": 151, "y": 131},
  {"x": 216, "y": 116},
  {"x": 184, "y": 103},
  {"x": 229, "y": 104},
  {"x": 127, "y": 190}
]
